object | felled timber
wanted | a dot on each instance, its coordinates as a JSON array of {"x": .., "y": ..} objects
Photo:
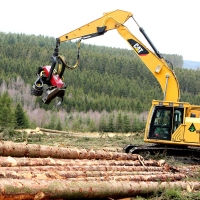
[
  {"x": 25, "y": 161},
  {"x": 34, "y": 150},
  {"x": 99, "y": 168},
  {"x": 29, "y": 171},
  {"x": 89, "y": 176},
  {"x": 45, "y": 189}
]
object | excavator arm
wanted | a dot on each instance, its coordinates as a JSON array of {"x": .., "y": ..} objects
[
  {"x": 109, "y": 21},
  {"x": 112, "y": 20},
  {"x": 153, "y": 60}
]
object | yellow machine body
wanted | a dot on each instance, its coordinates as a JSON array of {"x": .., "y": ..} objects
[{"x": 183, "y": 125}]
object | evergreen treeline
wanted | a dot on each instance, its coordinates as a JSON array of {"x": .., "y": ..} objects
[
  {"x": 176, "y": 60},
  {"x": 107, "y": 79},
  {"x": 12, "y": 117}
]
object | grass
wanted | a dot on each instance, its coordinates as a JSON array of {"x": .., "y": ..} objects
[
  {"x": 170, "y": 194},
  {"x": 115, "y": 143}
]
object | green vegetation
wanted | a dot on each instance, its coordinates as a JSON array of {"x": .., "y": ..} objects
[
  {"x": 170, "y": 194},
  {"x": 111, "y": 90},
  {"x": 11, "y": 117}
]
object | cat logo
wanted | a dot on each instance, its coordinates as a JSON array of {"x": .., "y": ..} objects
[
  {"x": 137, "y": 48},
  {"x": 140, "y": 50}
]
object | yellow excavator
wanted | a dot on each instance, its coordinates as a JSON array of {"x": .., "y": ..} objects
[{"x": 171, "y": 125}]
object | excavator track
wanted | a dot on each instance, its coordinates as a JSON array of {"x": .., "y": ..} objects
[{"x": 180, "y": 153}]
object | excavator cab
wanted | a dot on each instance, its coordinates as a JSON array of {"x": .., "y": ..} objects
[
  {"x": 175, "y": 123},
  {"x": 165, "y": 121},
  {"x": 171, "y": 127}
]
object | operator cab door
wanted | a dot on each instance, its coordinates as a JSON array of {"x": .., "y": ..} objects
[{"x": 165, "y": 120}]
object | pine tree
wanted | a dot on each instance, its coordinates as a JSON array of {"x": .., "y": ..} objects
[
  {"x": 7, "y": 116},
  {"x": 136, "y": 125},
  {"x": 59, "y": 126},
  {"x": 52, "y": 122},
  {"x": 111, "y": 124},
  {"x": 92, "y": 127},
  {"x": 20, "y": 117},
  {"x": 127, "y": 125},
  {"x": 102, "y": 124},
  {"x": 119, "y": 123}
]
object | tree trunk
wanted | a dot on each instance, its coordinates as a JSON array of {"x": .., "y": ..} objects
[
  {"x": 16, "y": 161},
  {"x": 44, "y": 189},
  {"x": 34, "y": 150},
  {"x": 87, "y": 175}
]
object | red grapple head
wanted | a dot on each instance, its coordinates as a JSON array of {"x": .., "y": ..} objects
[{"x": 55, "y": 79}]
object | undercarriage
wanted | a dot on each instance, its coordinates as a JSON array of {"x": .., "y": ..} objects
[{"x": 182, "y": 153}]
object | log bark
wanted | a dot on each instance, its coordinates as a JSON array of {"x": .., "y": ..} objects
[
  {"x": 51, "y": 131},
  {"x": 25, "y": 161},
  {"x": 86, "y": 176},
  {"x": 62, "y": 168},
  {"x": 29, "y": 189},
  {"x": 46, "y": 172},
  {"x": 34, "y": 150},
  {"x": 96, "y": 168}
]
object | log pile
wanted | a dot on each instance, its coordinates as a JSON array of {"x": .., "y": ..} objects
[{"x": 29, "y": 171}]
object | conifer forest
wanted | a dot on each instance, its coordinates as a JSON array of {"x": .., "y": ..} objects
[{"x": 110, "y": 91}]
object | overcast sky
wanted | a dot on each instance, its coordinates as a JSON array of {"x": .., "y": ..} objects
[{"x": 172, "y": 25}]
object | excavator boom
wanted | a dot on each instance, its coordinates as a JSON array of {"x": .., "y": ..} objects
[
  {"x": 99, "y": 26},
  {"x": 157, "y": 65}
]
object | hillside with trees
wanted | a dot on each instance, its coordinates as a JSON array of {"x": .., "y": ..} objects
[{"x": 111, "y": 90}]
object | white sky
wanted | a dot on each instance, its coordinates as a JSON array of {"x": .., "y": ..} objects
[{"x": 172, "y": 25}]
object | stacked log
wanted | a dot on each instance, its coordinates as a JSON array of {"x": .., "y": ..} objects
[{"x": 29, "y": 171}]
